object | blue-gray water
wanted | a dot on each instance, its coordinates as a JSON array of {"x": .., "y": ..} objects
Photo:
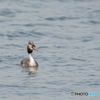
[{"x": 67, "y": 35}]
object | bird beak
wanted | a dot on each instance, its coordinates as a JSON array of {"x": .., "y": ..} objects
[{"x": 35, "y": 48}]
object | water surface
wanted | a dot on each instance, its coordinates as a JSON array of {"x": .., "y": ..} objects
[{"x": 67, "y": 35}]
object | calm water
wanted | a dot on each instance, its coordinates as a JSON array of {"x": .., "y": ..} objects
[{"x": 67, "y": 35}]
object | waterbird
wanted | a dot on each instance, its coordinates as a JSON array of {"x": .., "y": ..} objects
[{"x": 29, "y": 62}]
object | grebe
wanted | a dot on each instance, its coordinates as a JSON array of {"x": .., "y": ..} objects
[{"x": 29, "y": 62}]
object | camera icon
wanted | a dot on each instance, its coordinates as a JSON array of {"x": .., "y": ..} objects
[{"x": 72, "y": 93}]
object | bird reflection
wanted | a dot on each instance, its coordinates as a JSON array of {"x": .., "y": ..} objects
[{"x": 30, "y": 70}]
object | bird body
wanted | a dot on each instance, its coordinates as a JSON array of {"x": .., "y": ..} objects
[{"x": 29, "y": 62}]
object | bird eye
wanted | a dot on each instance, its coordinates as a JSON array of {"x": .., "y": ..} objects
[{"x": 33, "y": 45}]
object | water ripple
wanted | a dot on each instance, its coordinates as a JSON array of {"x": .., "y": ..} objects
[
  {"x": 94, "y": 22},
  {"x": 59, "y": 18},
  {"x": 7, "y": 13},
  {"x": 77, "y": 59},
  {"x": 33, "y": 25},
  {"x": 2, "y": 34},
  {"x": 42, "y": 47},
  {"x": 37, "y": 33},
  {"x": 87, "y": 38},
  {"x": 98, "y": 48},
  {"x": 2, "y": 85}
]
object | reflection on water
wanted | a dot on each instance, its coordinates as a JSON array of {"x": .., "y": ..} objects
[{"x": 30, "y": 70}]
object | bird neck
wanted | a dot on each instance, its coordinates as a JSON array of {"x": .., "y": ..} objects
[{"x": 31, "y": 58}]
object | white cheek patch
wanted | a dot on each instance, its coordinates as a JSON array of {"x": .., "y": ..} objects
[{"x": 31, "y": 47}]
